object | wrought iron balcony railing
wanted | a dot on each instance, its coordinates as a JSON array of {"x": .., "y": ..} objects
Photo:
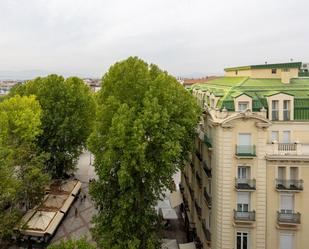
[
  {"x": 248, "y": 216},
  {"x": 207, "y": 141},
  {"x": 198, "y": 180},
  {"x": 206, "y": 231},
  {"x": 207, "y": 169},
  {"x": 198, "y": 209},
  {"x": 245, "y": 150},
  {"x": 296, "y": 185},
  {"x": 207, "y": 198},
  {"x": 243, "y": 183},
  {"x": 290, "y": 218},
  {"x": 198, "y": 155}
]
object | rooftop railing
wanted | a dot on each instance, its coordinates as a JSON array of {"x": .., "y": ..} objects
[
  {"x": 245, "y": 150},
  {"x": 282, "y": 184},
  {"x": 290, "y": 218}
]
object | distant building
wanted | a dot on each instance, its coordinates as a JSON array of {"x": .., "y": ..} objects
[
  {"x": 246, "y": 185},
  {"x": 94, "y": 84},
  {"x": 188, "y": 82},
  {"x": 6, "y": 86}
]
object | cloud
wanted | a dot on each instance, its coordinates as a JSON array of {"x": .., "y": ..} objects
[{"x": 181, "y": 36}]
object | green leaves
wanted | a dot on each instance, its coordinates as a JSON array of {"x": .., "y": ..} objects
[
  {"x": 68, "y": 110},
  {"x": 21, "y": 175},
  {"x": 73, "y": 244},
  {"x": 144, "y": 127}
]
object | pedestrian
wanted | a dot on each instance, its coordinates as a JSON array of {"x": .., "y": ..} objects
[{"x": 76, "y": 212}]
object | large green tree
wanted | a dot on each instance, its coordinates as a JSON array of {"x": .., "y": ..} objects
[
  {"x": 68, "y": 112},
  {"x": 144, "y": 129},
  {"x": 73, "y": 244},
  {"x": 22, "y": 179}
]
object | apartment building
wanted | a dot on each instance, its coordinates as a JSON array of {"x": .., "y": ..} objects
[{"x": 246, "y": 185}]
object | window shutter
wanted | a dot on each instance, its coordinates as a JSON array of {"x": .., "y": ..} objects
[
  {"x": 243, "y": 197},
  {"x": 286, "y": 241}
]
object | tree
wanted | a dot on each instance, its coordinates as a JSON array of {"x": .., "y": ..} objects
[
  {"x": 21, "y": 175},
  {"x": 144, "y": 129},
  {"x": 68, "y": 110},
  {"x": 73, "y": 244}
]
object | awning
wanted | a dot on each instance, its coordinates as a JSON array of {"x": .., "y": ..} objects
[
  {"x": 168, "y": 214},
  {"x": 67, "y": 204},
  {"x": 76, "y": 188},
  {"x": 169, "y": 244},
  {"x": 55, "y": 223},
  {"x": 190, "y": 245},
  {"x": 175, "y": 199}
]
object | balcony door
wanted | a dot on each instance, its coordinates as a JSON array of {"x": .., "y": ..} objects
[
  {"x": 286, "y": 241},
  {"x": 242, "y": 240},
  {"x": 286, "y": 137},
  {"x": 243, "y": 201},
  {"x": 286, "y": 204},
  {"x": 243, "y": 174},
  {"x": 244, "y": 143}
]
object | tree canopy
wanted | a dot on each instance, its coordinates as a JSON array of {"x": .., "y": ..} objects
[
  {"x": 144, "y": 129},
  {"x": 22, "y": 179},
  {"x": 73, "y": 244},
  {"x": 68, "y": 109}
]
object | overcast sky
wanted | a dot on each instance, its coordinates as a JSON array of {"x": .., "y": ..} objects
[{"x": 84, "y": 37}]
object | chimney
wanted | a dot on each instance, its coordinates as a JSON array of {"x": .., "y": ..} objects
[{"x": 285, "y": 76}]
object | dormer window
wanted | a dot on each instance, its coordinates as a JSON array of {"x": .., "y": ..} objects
[
  {"x": 243, "y": 105},
  {"x": 286, "y": 110},
  {"x": 275, "y": 110}
]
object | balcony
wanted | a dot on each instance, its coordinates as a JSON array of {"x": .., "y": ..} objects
[
  {"x": 207, "y": 141},
  {"x": 207, "y": 169},
  {"x": 207, "y": 198},
  {"x": 287, "y": 147},
  {"x": 275, "y": 115},
  {"x": 198, "y": 209},
  {"x": 206, "y": 232},
  {"x": 288, "y": 218},
  {"x": 286, "y": 115},
  {"x": 198, "y": 180},
  {"x": 245, "y": 150},
  {"x": 243, "y": 216},
  {"x": 244, "y": 184},
  {"x": 198, "y": 155},
  {"x": 291, "y": 185}
]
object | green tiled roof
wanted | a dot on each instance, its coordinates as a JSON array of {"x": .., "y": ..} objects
[
  {"x": 265, "y": 66},
  {"x": 227, "y": 88}
]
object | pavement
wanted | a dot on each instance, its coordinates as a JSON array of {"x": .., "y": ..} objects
[
  {"x": 74, "y": 227},
  {"x": 78, "y": 223}
]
